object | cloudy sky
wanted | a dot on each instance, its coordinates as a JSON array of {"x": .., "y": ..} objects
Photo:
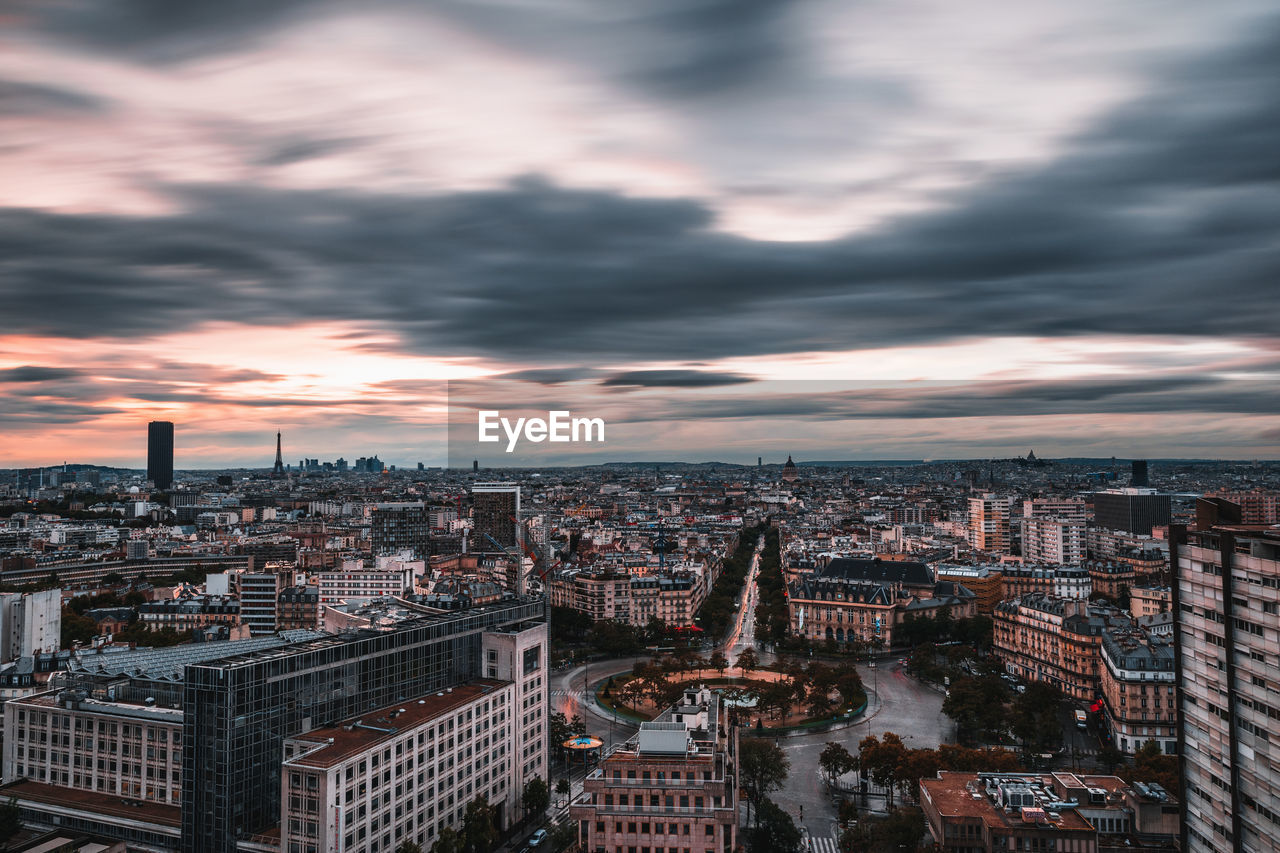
[{"x": 915, "y": 228}]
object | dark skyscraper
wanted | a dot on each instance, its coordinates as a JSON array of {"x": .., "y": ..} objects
[
  {"x": 160, "y": 453},
  {"x": 1139, "y": 477}
]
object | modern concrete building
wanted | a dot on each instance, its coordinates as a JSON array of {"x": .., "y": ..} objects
[
  {"x": 671, "y": 788},
  {"x": 1134, "y": 510},
  {"x": 1067, "y": 509},
  {"x": 1226, "y": 598},
  {"x": 403, "y": 773},
  {"x": 232, "y": 770},
  {"x": 30, "y": 623},
  {"x": 1056, "y": 541},
  {"x": 396, "y": 527},
  {"x": 989, "y": 524}
]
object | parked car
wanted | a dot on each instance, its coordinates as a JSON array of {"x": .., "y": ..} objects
[{"x": 537, "y": 838}]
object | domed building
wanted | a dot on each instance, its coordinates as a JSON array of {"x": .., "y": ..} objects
[{"x": 789, "y": 472}]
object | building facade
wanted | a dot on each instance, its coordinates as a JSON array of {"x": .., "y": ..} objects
[
  {"x": 494, "y": 513},
  {"x": 1056, "y": 640},
  {"x": 1056, "y": 541},
  {"x": 989, "y": 524},
  {"x": 1131, "y": 509},
  {"x": 113, "y": 749},
  {"x": 669, "y": 789},
  {"x": 160, "y": 454},
  {"x": 232, "y": 771},
  {"x": 1138, "y": 690},
  {"x": 1226, "y": 595},
  {"x": 401, "y": 774}
]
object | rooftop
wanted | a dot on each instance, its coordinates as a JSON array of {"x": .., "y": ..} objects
[
  {"x": 335, "y": 744},
  {"x": 97, "y": 803}
]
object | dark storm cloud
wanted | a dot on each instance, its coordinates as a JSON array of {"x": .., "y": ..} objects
[
  {"x": 671, "y": 47},
  {"x": 36, "y": 373},
  {"x": 549, "y": 375},
  {"x": 819, "y": 401},
  {"x": 19, "y": 98},
  {"x": 1160, "y": 220},
  {"x": 161, "y": 31},
  {"x": 673, "y": 379}
]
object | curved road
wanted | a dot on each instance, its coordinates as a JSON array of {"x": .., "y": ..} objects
[{"x": 896, "y": 703}]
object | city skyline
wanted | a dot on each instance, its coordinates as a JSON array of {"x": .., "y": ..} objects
[{"x": 311, "y": 219}]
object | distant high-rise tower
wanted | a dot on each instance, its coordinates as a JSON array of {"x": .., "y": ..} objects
[
  {"x": 1139, "y": 477},
  {"x": 495, "y": 508},
  {"x": 160, "y": 453},
  {"x": 475, "y": 465},
  {"x": 278, "y": 470}
]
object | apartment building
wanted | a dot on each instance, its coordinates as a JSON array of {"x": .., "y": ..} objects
[
  {"x": 403, "y": 773},
  {"x": 1148, "y": 599},
  {"x": 1055, "y": 541},
  {"x": 1137, "y": 682},
  {"x": 356, "y": 580},
  {"x": 989, "y": 524},
  {"x": 852, "y": 600},
  {"x": 1045, "y": 638},
  {"x": 1110, "y": 578},
  {"x": 1067, "y": 509},
  {"x": 1057, "y": 581},
  {"x": 191, "y": 612},
  {"x": 1226, "y": 596},
  {"x": 669, "y": 789},
  {"x": 67, "y": 739}
]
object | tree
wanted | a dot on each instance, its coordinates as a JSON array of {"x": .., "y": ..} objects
[
  {"x": 836, "y": 761},
  {"x": 535, "y": 797},
  {"x": 775, "y": 831},
  {"x": 448, "y": 842},
  {"x": 1151, "y": 765},
  {"x": 77, "y": 628},
  {"x": 718, "y": 661},
  {"x": 479, "y": 834},
  {"x": 1110, "y": 758},
  {"x": 112, "y": 579},
  {"x": 977, "y": 704},
  {"x": 562, "y": 835},
  {"x": 881, "y": 759},
  {"x": 1035, "y": 717},
  {"x": 409, "y": 847},
  {"x": 748, "y": 659},
  {"x": 563, "y": 787},
  {"x": 762, "y": 767}
]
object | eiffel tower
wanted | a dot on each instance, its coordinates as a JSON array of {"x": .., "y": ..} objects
[{"x": 278, "y": 470}]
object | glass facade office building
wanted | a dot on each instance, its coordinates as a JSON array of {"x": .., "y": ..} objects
[{"x": 238, "y": 711}]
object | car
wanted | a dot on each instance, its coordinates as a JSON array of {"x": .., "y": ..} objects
[{"x": 537, "y": 838}]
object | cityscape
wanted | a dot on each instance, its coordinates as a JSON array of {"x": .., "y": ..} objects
[
  {"x": 677, "y": 426},
  {"x": 1004, "y": 654}
]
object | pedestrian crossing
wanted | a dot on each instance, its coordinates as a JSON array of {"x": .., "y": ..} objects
[
  {"x": 578, "y": 695},
  {"x": 823, "y": 844}
]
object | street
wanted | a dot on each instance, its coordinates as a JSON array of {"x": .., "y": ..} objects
[{"x": 896, "y": 703}]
